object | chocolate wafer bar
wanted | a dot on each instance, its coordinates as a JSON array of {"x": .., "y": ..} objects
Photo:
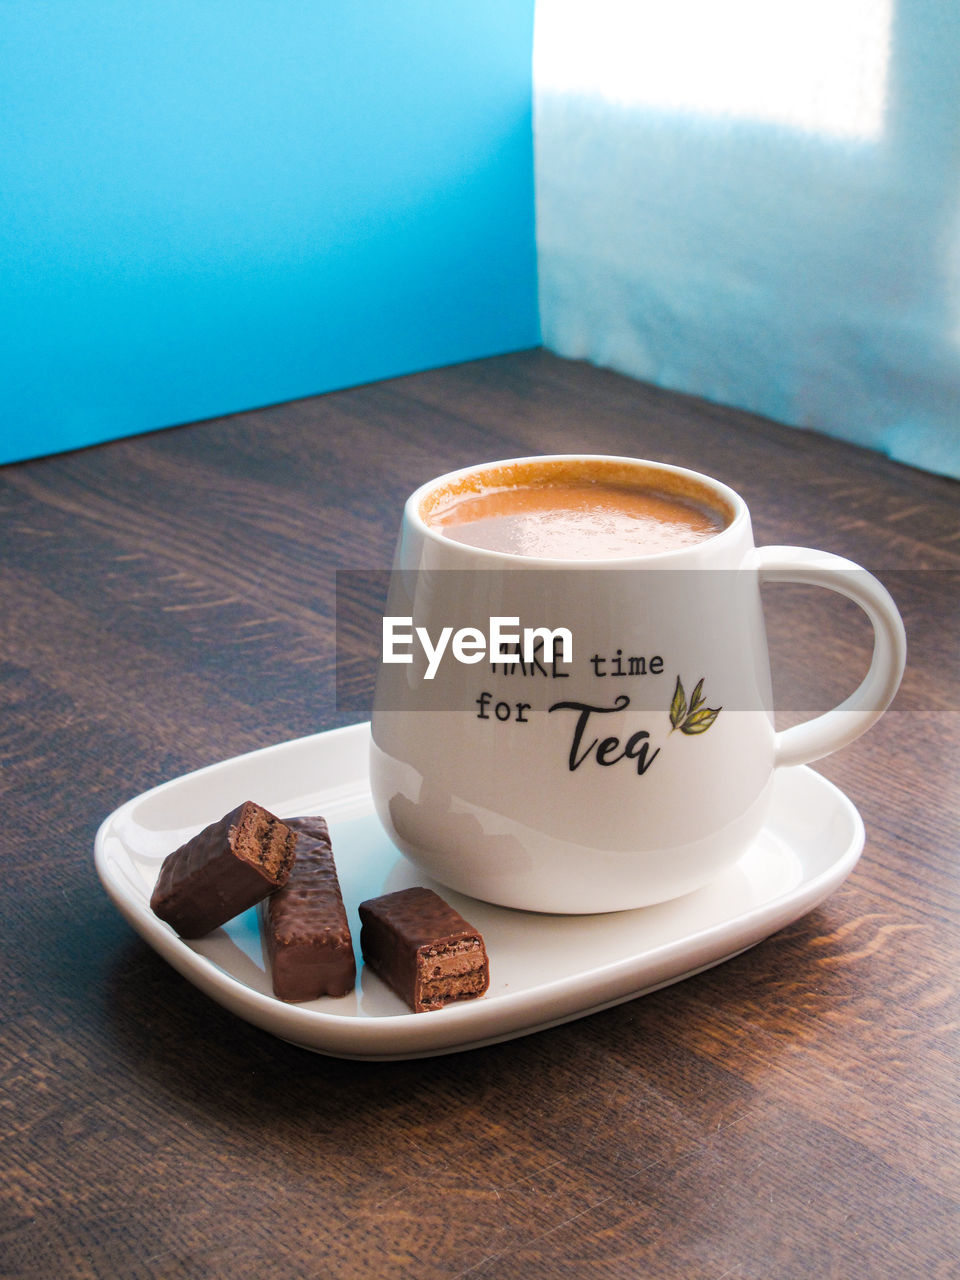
[
  {"x": 305, "y": 931},
  {"x": 229, "y": 866},
  {"x": 423, "y": 949}
]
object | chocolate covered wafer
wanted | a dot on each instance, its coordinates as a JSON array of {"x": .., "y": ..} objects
[
  {"x": 423, "y": 949},
  {"x": 229, "y": 866},
  {"x": 305, "y": 931}
]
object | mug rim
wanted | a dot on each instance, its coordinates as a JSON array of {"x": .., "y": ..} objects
[{"x": 727, "y": 497}]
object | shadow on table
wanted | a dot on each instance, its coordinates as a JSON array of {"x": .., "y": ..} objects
[{"x": 184, "y": 1044}]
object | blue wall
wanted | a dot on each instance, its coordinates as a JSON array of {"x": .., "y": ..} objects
[{"x": 214, "y": 205}]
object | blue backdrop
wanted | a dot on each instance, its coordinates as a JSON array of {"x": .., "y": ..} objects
[
  {"x": 214, "y": 205},
  {"x": 210, "y": 206}
]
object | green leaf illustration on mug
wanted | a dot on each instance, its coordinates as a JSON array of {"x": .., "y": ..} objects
[{"x": 695, "y": 717}]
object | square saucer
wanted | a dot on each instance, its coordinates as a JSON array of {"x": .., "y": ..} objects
[{"x": 545, "y": 969}]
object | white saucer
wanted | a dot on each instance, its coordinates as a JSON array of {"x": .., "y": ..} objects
[{"x": 544, "y": 969}]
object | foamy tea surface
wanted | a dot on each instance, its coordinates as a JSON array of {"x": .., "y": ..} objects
[{"x": 575, "y": 520}]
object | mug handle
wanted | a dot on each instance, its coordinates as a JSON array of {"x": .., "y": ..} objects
[{"x": 816, "y": 738}]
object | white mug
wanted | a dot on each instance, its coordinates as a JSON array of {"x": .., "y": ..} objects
[{"x": 628, "y": 769}]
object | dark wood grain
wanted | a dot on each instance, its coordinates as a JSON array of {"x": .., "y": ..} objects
[{"x": 169, "y": 601}]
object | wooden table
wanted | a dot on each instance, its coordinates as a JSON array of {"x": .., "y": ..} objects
[{"x": 168, "y": 601}]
